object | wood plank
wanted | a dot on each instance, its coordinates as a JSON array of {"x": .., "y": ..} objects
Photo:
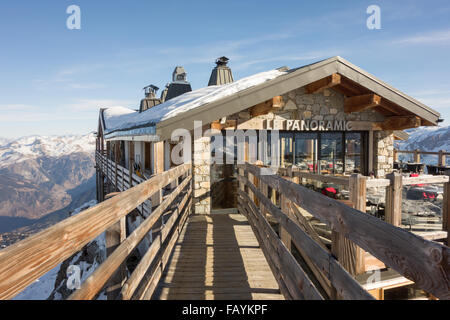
[
  {"x": 406, "y": 181},
  {"x": 27, "y": 260},
  {"x": 400, "y": 122},
  {"x": 294, "y": 278},
  {"x": 95, "y": 282},
  {"x": 324, "y": 178},
  {"x": 130, "y": 286},
  {"x": 424, "y": 262},
  {"x": 446, "y": 211},
  {"x": 165, "y": 255},
  {"x": 340, "y": 278},
  {"x": 393, "y": 210},
  {"x": 113, "y": 237},
  {"x": 361, "y": 102},
  {"x": 322, "y": 84},
  {"x": 205, "y": 272}
]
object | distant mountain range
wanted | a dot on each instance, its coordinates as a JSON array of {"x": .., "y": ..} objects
[
  {"x": 44, "y": 176},
  {"x": 426, "y": 139}
]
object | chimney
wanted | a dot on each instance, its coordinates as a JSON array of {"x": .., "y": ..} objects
[
  {"x": 221, "y": 74},
  {"x": 179, "y": 84},
  {"x": 150, "y": 99}
]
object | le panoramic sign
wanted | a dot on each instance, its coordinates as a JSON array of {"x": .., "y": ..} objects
[{"x": 308, "y": 125}]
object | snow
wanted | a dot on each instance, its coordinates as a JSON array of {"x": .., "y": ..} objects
[
  {"x": 119, "y": 118},
  {"x": 42, "y": 288},
  {"x": 44, "y": 146}
]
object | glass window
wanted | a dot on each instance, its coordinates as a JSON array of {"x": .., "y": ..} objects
[
  {"x": 305, "y": 151},
  {"x": 287, "y": 149},
  {"x": 331, "y": 153},
  {"x": 353, "y": 152}
]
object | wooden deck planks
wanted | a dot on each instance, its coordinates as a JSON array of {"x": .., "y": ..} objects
[{"x": 217, "y": 257}]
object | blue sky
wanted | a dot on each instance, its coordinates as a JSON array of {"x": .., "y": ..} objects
[{"x": 53, "y": 80}]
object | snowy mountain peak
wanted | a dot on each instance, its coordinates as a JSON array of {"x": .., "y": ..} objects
[{"x": 32, "y": 147}]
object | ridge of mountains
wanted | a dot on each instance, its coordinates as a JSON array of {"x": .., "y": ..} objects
[{"x": 42, "y": 178}]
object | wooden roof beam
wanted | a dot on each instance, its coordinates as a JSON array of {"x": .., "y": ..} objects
[
  {"x": 362, "y": 102},
  {"x": 266, "y": 106},
  {"x": 401, "y": 122},
  {"x": 389, "y": 106},
  {"x": 322, "y": 84}
]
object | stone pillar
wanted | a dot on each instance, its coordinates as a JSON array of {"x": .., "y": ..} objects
[
  {"x": 383, "y": 153},
  {"x": 202, "y": 168}
]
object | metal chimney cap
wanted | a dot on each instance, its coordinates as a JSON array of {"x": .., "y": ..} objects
[
  {"x": 222, "y": 61},
  {"x": 151, "y": 87}
]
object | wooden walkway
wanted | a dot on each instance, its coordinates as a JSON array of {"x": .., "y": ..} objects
[{"x": 217, "y": 257}]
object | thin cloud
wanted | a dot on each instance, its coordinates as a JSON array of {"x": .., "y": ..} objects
[
  {"x": 435, "y": 37},
  {"x": 16, "y": 107},
  {"x": 96, "y": 104}
]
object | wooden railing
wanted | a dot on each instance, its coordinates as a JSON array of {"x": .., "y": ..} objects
[
  {"x": 394, "y": 182},
  {"x": 422, "y": 261},
  {"x": 24, "y": 262},
  {"x": 442, "y": 155},
  {"x": 120, "y": 178}
]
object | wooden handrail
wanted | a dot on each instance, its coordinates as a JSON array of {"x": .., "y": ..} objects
[
  {"x": 95, "y": 282},
  {"x": 422, "y": 261},
  {"x": 346, "y": 285},
  {"x": 423, "y": 152},
  {"x": 25, "y": 261}
]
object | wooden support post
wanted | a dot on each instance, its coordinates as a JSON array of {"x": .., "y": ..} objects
[
  {"x": 265, "y": 191},
  {"x": 395, "y": 155},
  {"x": 441, "y": 158},
  {"x": 349, "y": 254},
  {"x": 284, "y": 235},
  {"x": 393, "y": 210},
  {"x": 130, "y": 163},
  {"x": 416, "y": 156},
  {"x": 446, "y": 211},
  {"x": 116, "y": 161},
  {"x": 114, "y": 236},
  {"x": 158, "y": 167}
]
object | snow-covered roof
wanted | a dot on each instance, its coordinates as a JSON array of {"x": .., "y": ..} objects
[
  {"x": 215, "y": 102},
  {"x": 120, "y": 121}
]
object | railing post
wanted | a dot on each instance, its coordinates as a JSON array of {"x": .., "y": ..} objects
[
  {"x": 393, "y": 210},
  {"x": 416, "y": 156},
  {"x": 446, "y": 211},
  {"x": 349, "y": 254},
  {"x": 114, "y": 236},
  {"x": 158, "y": 167},
  {"x": 284, "y": 235},
  {"x": 441, "y": 158}
]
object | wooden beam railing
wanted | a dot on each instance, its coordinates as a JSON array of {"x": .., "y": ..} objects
[
  {"x": 422, "y": 261},
  {"x": 120, "y": 179},
  {"x": 288, "y": 272},
  {"x": 26, "y": 261},
  {"x": 442, "y": 155}
]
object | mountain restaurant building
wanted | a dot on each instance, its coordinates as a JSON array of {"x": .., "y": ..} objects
[{"x": 332, "y": 117}]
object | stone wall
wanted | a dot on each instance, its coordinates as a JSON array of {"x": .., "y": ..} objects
[
  {"x": 329, "y": 106},
  {"x": 297, "y": 104},
  {"x": 201, "y": 167},
  {"x": 383, "y": 153}
]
